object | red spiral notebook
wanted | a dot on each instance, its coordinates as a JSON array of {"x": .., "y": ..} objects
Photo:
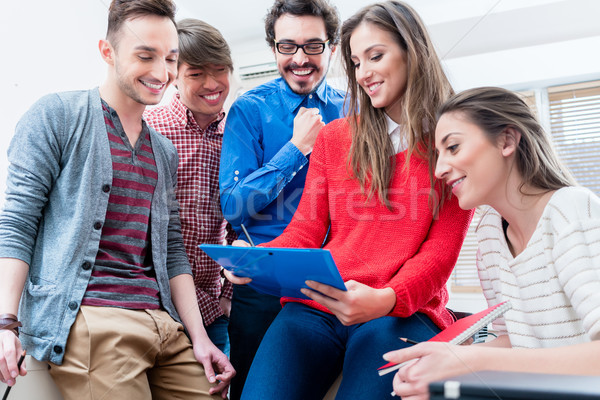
[{"x": 460, "y": 331}]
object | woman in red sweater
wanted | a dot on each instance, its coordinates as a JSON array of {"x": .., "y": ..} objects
[{"x": 394, "y": 242}]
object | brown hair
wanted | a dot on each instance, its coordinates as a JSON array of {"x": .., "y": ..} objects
[
  {"x": 427, "y": 87},
  {"x": 493, "y": 110},
  {"x": 123, "y": 10},
  {"x": 317, "y": 8},
  {"x": 201, "y": 44}
]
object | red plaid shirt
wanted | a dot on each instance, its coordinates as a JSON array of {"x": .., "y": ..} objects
[{"x": 198, "y": 195}]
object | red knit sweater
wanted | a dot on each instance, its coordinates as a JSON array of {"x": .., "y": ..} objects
[{"x": 405, "y": 249}]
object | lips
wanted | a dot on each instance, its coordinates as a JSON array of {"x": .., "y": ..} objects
[
  {"x": 212, "y": 96},
  {"x": 154, "y": 86}
]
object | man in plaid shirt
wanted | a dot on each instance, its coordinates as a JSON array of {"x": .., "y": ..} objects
[{"x": 194, "y": 121}]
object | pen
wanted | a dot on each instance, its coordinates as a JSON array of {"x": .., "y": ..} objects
[
  {"x": 409, "y": 341},
  {"x": 247, "y": 235},
  {"x": 7, "y": 391}
]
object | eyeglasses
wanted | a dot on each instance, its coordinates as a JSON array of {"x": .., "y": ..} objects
[{"x": 311, "y": 49}]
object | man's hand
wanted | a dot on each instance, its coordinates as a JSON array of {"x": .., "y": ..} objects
[
  {"x": 360, "y": 303},
  {"x": 237, "y": 280},
  {"x": 10, "y": 351},
  {"x": 217, "y": 367},
  {"x": 307, "y": 124}
]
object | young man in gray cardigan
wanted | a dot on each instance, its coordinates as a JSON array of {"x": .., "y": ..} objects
[{"x": 90, "y": 238}]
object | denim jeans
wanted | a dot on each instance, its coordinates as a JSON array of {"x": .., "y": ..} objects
[
  {"x": 304, "y": 351},
  {"x": 217, "y": 332},
  {"x": 251, "y": 314}
]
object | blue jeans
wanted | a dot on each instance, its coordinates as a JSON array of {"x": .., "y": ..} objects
[
  {"x": 251, "y": 314},
  {"x": 217, "y": 332},
  {"x": 304, "y": 351}
]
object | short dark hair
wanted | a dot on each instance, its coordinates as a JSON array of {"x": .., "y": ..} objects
[
  {"x": 123, "y": 10},
  {"x": 317, "y": 8},
  {"x": 201, "y": 44}
]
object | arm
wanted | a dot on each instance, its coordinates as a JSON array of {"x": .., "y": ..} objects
[
  {"x": 13, "y": 274},
  {"x": 184, "y": 299},
  {"x": 248, "y": 181},
  {"x": 436, "y": 361}
]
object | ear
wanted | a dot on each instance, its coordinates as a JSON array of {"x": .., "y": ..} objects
[
  {"x": 510, "y": 141},
  {"x": 106, "y": 51},
  {"x": 333, "y": 49}
]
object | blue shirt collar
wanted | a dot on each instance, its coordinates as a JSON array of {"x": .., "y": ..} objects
[{"x": 293, "y": 100}]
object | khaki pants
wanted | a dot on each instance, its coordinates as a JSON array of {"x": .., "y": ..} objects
[{"x": 115, "y": 353}]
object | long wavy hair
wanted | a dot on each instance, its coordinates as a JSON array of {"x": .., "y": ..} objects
[{"x": 427, "y": 87}]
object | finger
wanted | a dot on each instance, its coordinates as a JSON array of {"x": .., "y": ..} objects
[
  {"x": 327, "y": 290},
  {"x": 240, "y": 243},
  {"x": 209, "y": 371},
  {"x": 238, "y": 280},
  {"x": 405, "y": 354}
]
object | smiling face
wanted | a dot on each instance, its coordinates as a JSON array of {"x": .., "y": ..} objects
[
  {"x": 475, "y": 168},
  {"x": 145, "y": 58},
  {"x": 203, "y": 90},
  {"x": 380, "y": 66},
  {"x": 302, "y": 72}
]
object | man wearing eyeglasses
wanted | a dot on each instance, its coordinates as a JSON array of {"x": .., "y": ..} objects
[{"x": 269, "y": 135}]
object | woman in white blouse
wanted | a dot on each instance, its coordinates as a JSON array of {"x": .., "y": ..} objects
[{"x": 539, "y": 245}]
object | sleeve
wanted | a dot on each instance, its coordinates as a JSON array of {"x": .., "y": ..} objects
[
  {"x": 576, "y": 255},
  {"x": 177, "y": 259},
  {"x": 423, "y": 276},
  {"x": 230, "y": 234},
  {"x": 248, "y": 183},
  {"x": 34, "y": 157},
  {"x": 309, "y": 226}
]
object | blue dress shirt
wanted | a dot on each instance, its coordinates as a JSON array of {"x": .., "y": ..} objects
[{"x": 262, "y": 173}]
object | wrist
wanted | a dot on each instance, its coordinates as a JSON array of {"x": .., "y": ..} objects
[{"x": 10, "y": 322}]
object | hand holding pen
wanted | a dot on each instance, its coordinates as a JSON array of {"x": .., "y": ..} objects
[
  {"x": 237, "y": 280},
  {"x": 19, "y": 363}
]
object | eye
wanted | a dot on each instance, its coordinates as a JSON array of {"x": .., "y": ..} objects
[
  {"x": 452, "y": 148},
  {"x": 376, "y": 57},
  {"x": 145, "y": 58},
  {"x": 172, "y": 60}
]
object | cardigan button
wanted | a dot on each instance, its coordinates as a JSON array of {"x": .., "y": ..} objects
[
  {"x": 97, "y": 225},
  {"x": 106, "y": 188},
  {"x": 86, "y": 266},
  {"x": 73, "y": 305},
  {"x": 58, "y": 349}
]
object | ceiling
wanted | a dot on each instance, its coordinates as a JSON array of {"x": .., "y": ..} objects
[{"x": 458, "y": 27}]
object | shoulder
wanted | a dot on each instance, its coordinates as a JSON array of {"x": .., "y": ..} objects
[
  {"x": 335, "y": 94},
  {"x": 258, "y": 94},
  {"x": 151, "y": 114},
  {"x": 571, "y": 204},
  {"x": 337, "y": 131}
]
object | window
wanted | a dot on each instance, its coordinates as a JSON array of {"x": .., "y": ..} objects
[{"x": 573, "y": 115}]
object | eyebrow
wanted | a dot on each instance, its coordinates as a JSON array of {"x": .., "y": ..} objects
[
  {"x": 368, "y": 49},
  {"x": 153, "y": 50},
  {"x": 313, "y": 40}
]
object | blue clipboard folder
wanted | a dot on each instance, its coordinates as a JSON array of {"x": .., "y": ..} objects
[{"x": 278, "y": 271}]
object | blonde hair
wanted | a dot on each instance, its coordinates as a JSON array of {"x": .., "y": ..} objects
[{"x": 427, "y": 87}]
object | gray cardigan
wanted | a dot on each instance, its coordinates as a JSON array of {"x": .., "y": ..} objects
[{"x": 58, "y": 184}]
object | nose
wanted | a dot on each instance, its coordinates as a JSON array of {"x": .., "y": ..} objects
[
  {"x": 164, "y": 71},
  {"x": 442, "y": 169},
  {"x": 210, "y": 82},
  {"x": 300, "y": 57},
  {"x": 362, "y": 74}
]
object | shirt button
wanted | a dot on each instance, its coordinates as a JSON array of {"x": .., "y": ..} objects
[
  {"x": 235, "y": 179},
  {"x": 237, "y": 172},
  {"x": 86, "y": 265},
  {"x": 97, "y": 225},
  {"x": 310, "y": 96},
  {"x": 106, "y": 188},
  {"x": 73, "y": 306},
  {"x": 58, "y": 349}
]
